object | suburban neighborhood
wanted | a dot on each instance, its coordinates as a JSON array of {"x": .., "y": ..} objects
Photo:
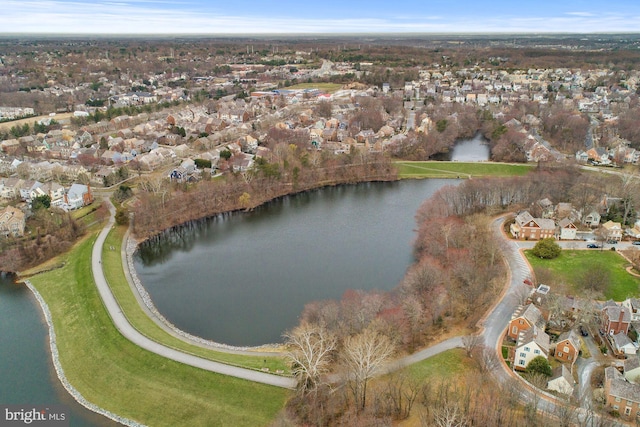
[{"x": 525, "y": 266}]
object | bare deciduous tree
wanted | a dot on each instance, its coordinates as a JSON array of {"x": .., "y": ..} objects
[
  {"x": 311, "y": 350},
  {"x": 470, "y": 342},
  {"x": 449, "y": 415},
  {"x": 364, "y": 355}
]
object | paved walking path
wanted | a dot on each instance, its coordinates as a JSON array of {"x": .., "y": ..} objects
[{"x": 125, "y": 328}]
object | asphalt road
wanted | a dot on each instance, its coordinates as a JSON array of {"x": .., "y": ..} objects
[{"x": 125, "y": 328}]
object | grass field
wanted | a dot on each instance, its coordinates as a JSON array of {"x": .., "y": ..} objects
[
  {"x": 115, "y": 374},
  {"x": 568, "y": 269},
  {"x": 326, "y": 87},
  {"x": 445, "y": 365},
  {"x": 5, "y": 126},
  {"x": 138, "y": 318},
  {"x": 437, "y": 169}
]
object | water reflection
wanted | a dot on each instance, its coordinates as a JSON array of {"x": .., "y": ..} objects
[
  {"x": 243, "y": 279},
  {"x": 475, "y": 149}
]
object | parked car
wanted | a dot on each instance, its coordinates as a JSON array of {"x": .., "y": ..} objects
[
  {"x": 637, "y": 243},
  {"x": 593, "y": 246},
  {"x": 583, "y": 331},
  {"x": 612, "y": 242}
]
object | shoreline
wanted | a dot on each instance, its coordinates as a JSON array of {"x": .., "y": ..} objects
[
  {"x": 130, "y": 245},
  {"x": 53, "y": 349}
]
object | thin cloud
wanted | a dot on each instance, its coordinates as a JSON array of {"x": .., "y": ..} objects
[
  {"x": 163, "y": 17},
  {"x": 585, "y": 14}
]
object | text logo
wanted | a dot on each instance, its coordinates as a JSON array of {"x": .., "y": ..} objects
[{"x": 34, "y": 415}]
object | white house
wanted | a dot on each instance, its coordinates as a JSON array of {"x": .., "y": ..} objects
[
  {"x": 561, "y": 381},
  {"x": 632, "y": 369},
  {"x": 567, "y": 229},
  {"x": 622, "y": 344},
  {"x": 79, "y": 195},
  {"x": 532, "y": 343}
]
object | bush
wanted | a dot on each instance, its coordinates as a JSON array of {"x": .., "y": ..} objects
[
  {"x": 539, "y": 365},
  {"x": 547, "y": 249},
  {"x": 122, "y": 216}
]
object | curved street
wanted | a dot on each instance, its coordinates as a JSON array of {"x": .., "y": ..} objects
[{"x": 125, "y": 328}]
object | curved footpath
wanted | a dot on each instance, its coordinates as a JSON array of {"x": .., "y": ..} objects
[{"x": 129, "y": 332}]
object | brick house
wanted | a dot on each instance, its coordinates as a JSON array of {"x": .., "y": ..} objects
[
  {"x": 526, "y": 227},
  {"x": 621, "y": 395},
  {"x": 568, "y": 347},
  {"x": 615, "y": 319},
  {"x": 525, "y": 317}
]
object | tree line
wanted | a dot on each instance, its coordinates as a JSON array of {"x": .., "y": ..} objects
[{"x": 458, "y": 272}]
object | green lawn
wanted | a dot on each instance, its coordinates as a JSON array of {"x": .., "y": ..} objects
[
  {"x": 445, "y": 365},
  {"x": 326, "y": 87},
  {"x": 138, "y": 318},
  {"x": 571, "y": 265},
  {"x": 115, "y": 374},
  {"x": 437, "y": 169}
]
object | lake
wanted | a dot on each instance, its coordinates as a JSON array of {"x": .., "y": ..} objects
[
  {"x": 243, "y": 279},
  {"x": 475, "y": 149},
  {"x": 26, "y": 369}
]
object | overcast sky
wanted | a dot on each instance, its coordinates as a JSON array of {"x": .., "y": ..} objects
[{"x": 328, "y": 16}]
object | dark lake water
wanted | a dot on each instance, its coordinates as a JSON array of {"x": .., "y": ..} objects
[
  {"x": 244, "y": 279},
  {"x": 475, "y": 149},
  {"x": 27, "y": 376}
]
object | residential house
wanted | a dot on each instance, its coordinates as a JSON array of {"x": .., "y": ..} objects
[
  {"x": 582, "y": 156},
  {"x": 612, "y": 230},
  {"x": 566, "y": 229},
  {"x": 615, "y": 319},
  {"x": 30, "y": 190},
  {"x": 592, "y": 219},
  {"x": 367, "y": 135},
  {"x": 184, "y": 171},
  {"x": 242, "y": 162},
  {"x": 632, "y": 368},
  {"x": 531, "y": 343},
  {"x": 633, "y": 305},
  {"x": 55, "y": 191},
  {"x": 10, "y": 146},
  {"x": 622, "y": 344},
  {"x": 546, "y": 208},
  {"x": 12, "y": 222},
  {"x": 561, "y": 381},
  {"x": 99, "y": 176},
  {"x": 10, "y": 187},
  {"x": 525, "y": 317},
  {"x": 527, "y": 227},
  {"x": 568, "y": 347},
  {"x": 621, "y": 395},
  {"x": 599, "y": 155},
  {"x": 79, "y": 195}
]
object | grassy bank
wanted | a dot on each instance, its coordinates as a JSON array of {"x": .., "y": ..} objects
[
  {"x": 437, "y": 169},
  {"x": 568, "y": 270},
  {"x": 113, "y": 268},
  {"x": 121, "y": 377}
]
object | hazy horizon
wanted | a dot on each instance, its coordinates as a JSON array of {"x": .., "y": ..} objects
[{"x": 253, "y": 18}]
